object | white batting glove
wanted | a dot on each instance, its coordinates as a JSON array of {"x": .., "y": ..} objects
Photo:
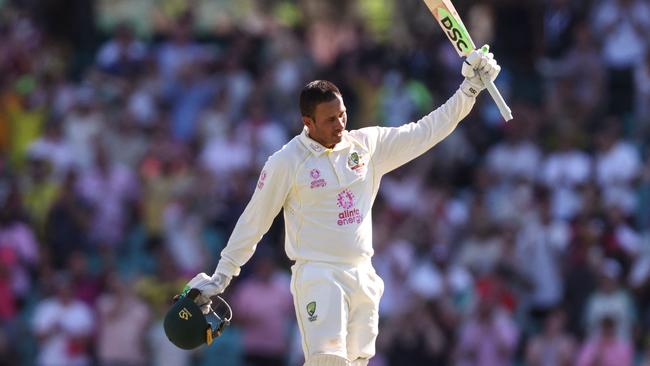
[
  {"x": 479, "y": 68},
  {"x": 209, "y": 286}
]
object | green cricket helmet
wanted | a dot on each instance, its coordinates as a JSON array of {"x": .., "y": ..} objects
[{"x": 187, "y": 327}]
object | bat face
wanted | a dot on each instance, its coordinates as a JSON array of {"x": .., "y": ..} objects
[
  {"x": 447, "y": 17},
  {"x": 452, "y": 25}
]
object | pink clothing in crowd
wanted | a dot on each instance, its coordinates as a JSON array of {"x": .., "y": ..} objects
[
  {"x": 488, "y": 343},
  {"x": 602, "y": 352},
  {"x": 264, "y": 309},
  {"x": 123, "y": 326}
]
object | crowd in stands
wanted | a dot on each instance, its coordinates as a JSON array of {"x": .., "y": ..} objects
[{"x": 122, "y": 174}]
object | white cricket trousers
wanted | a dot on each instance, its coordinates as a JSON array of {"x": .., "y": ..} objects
[{"x": 337, "y": 308}]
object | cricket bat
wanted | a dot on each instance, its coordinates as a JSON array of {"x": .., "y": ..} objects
[{"x": 452, "y": 25}]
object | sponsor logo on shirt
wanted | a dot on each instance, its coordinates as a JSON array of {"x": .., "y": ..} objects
[
  {"x": 317, "y": 181},
  {"x": 260, "y": 183},
  {"x": 350, "y": 215},
  {"x": 315, "y": 147},
  {"x": 345, "y": 199}
]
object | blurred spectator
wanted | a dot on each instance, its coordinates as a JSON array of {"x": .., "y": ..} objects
[
  {"x": 482, "y": 248},
  {"x": 82, "y": 125},
  {"x": 263, "y": 134},
  {"x": 617, "y": 166},
  {"x": 227, "y": 155},
  {"x": 393, "y": 260},
  {"x": 489, "y": 336},
  {"x": 122, "y": 55},
  {"x": 560, "y": 17},
  {"x": 436, "y": 277},
  {"x": 610, "y": 300},
  {"x": 63, "y": 327},
  {"x": 264, "y": 307},
  {"x": 19, "y": 258},
  {"x": 187, "y": 95},
  {"x": 110, "y": 189},
  {"x": 86, "y": 285},
  {"x": 541, "y": 243},
  {"x": 180, "y": 52},
  {"x": 159, "y": 287},
  {"x": 39, "y": 190},
  {"x": 290, "y": 68},
  {"x": 563, "y": 171},
  {"x": 125, "y": 142},
  {"x": 163, "y": 173},
  {"x": 183, "y": 234},
  {"x": 415, "y": 338},
  {"x": 623, "y": 26},
  {"x": 578, "y": 269},
  {"x": 554, "y": 346},
  {"x": 397, "y": 103},
  {"x": 67, "y": 222},
  {"x": 620, "y": 239},
  {"x": 516, "y": 158},
  {"x": 215, "y": 120},
  {"x": 578, "y": 79},
  {"x": 53, "y": 149},
  {"x": 123, "y": 321},
  {"x": 25, "y": 113},
  {"x": 606, "y": 347},
  {"x": 239, "y": 84}
]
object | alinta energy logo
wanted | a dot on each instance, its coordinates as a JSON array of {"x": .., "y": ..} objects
[
  {"x": 317, "y": 181},
  {"x": 350, "y": 215}
]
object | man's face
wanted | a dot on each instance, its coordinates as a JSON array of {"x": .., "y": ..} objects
[{"x": 328, "y": 123}]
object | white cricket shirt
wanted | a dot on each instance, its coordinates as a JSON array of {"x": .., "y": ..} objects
[{"x": 327, "y": 194}]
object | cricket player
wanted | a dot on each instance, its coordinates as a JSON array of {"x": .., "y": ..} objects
[{"x": 326, "y": 179}]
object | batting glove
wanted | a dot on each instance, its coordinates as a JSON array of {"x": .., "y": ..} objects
[
  {"x": 479, "y": 68},
  {"x": 209, "y": 286}
]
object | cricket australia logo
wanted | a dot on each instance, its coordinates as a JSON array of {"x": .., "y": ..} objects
[
  {"x": 311, "y": 310},
  {"x": 354, "y": 163},
  {"x": 353, "y": 160}
]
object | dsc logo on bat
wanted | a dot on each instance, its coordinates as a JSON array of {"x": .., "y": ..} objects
[{"x": 455, "y": 31}]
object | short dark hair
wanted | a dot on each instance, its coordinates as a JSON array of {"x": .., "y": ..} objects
[{"x": 314, "y": 93}]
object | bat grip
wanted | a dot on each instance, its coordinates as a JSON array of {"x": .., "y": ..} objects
[{"x": 498, "y": 99}]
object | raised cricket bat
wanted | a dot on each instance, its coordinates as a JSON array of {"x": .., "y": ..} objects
[{"x": 452, "y": 25}]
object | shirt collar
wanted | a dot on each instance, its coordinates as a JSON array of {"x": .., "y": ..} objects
[{"x": 318, "y": 149}]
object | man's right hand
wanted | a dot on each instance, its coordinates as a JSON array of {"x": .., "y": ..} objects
[
  {"x": 478, "y": 68},
  {"x": 209, "y": 286}
]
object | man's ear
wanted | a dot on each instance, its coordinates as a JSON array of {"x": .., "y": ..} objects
[{"x": 307, "y": 121}]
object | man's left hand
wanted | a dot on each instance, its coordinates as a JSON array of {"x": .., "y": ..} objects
[{"x": 209, "y": 286}]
